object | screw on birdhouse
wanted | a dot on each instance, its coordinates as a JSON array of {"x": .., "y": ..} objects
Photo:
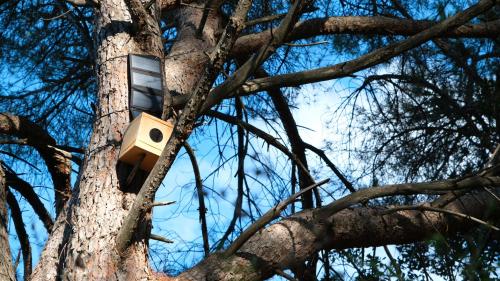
[{"x": 135, "y": 169}]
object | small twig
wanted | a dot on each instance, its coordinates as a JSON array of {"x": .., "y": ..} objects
[
  {"x": 22, "y": 235},
  {"x": 18, "y": 259},
  {"x": 201, "y": 199},
  {"x": 332, "y": 166},
  {"x": 166, "y": 203},
  {"x": 191, "y": 6},
  {"x": 274, "y": 17},
  {"x": 432, "y": 209},
  {"x": 266, "y": 218},
  {"x": 59, "y": 16},
  {"x": 306, "y": 44},
  {"x": 394, "y": 263},
  {"x": 492, "y": 193},
  {"x": 160, "y": 238},
  {"x": 495, "y": 158},
  {"x": 284, "y": 274}
]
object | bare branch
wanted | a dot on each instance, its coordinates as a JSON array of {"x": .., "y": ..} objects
[
  {"x": 332, "y": 166},
  {"x": 362, "y": 26},
  {"x": 263, "y": 135},
  {"x": 266, "y": 218},
  {"x": 17, "y": 218},
  {"x": 373, "y": 58},
  {"x": 394, "y": 263},
  {"x": 296, "y": 143},
  {"x": 243, "y": 72},
  {"x": 84, "y": 3},
  {"x": 277, "y": 246},
  {"x": 408, "y": 189},
  {"x": 158, "y": 204},
  {"x": 424, "y": 208},
  {"x": 201, "y": 201},
  {"x": 26, "y": 190},
  {"x": 242, "y": 151},
  {"x": 57, "y": 161},
  {"x": 272, "y": 18},
  {"x": 160, "y": 238}
]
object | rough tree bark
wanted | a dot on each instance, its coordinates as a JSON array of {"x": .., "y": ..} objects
[{"x": 6, "y": 266}]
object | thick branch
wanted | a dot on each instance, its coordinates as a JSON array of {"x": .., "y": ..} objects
[
  {"x": 296, "y": 238},
  {"x": 26, "y": 190},
  {"x": 17, "y": 218},
  {"x": 57, "y": 161},
  {"x": 368, "y": 60},
  {"x": 362, "y": 26}
]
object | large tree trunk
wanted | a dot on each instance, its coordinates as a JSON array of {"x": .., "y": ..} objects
[
  {"x": 98, "y": 205},
  {"x": 85, "y": 235}
]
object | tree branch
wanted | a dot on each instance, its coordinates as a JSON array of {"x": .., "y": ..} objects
[
  {"x": 26, "y": 190},
  {"x": 362, "y": 26},
  {"x": 57, "y": 161},
  {"x": 84, "y": 3},
  {"x": 201, "y": 201},
  {"x": 424, "y": 208},
  {"x": 242, "y": 152},
  {"x": 243, "y": 72},
  {"x": 17, "y": 218},
  {"x": 373, "y": 58},
  {"x": 267, "y": 217},
  {"x": 332, "y": 166},
  {"x": 296, "y": 238},
  {"x": 296, "y": 143},
  {"x": 263, "y": 135}
]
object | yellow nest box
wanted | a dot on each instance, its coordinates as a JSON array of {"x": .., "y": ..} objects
[{"x": 145, "y": 139}]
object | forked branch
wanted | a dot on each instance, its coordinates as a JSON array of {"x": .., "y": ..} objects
[{"x": 375, "y": 57}]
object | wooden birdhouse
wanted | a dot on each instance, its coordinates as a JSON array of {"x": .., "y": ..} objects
[{"x": 144, "y": 141}]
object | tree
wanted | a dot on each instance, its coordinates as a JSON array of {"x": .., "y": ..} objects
[{"x": 231, "y": 61}]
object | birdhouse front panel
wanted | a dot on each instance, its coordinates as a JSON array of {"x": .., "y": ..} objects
[{"x": 145, "y": 138}]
